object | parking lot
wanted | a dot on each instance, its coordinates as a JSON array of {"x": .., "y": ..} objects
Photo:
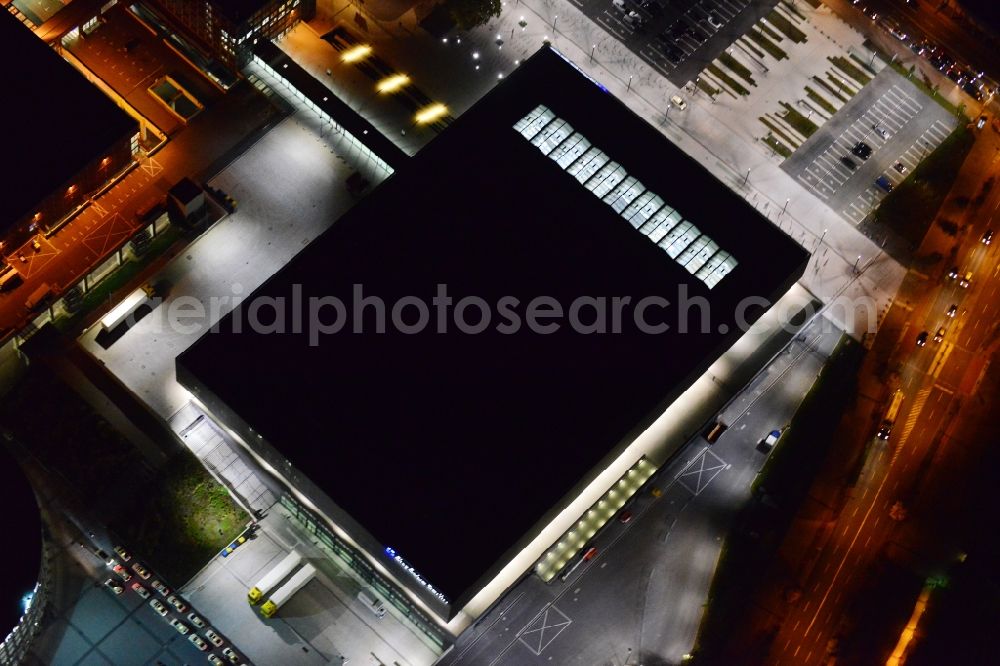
[
  {"x": 897, "y": 122},
  {"x": 676, "y": 37}
]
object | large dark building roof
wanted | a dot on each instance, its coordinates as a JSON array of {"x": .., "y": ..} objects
[
  {"x": 55, "y": 121},
  {"x": 449, "y": 447}
]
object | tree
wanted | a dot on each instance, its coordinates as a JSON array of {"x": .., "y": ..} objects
[{"x": 471, "y": 13}]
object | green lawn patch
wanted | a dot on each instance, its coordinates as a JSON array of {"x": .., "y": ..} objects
[
  {"x": 759, "y": 530},
  {"x": 841, "y": 86},
  {"x": 778, "y": 131},
  {"x": 766, "y": 44},
  {"x": 801, "y": 124},
  {"x": 848, "y": 68},
  {"x": 794, "y": 10},
  {"x": 830, "y": 89},
  {"x": 737, "y": 67},
  {"x": 766, "y": 29},
  {"x": 707, "y": 87},
  {"x": 820, "y": 101},
  {"x": 728, "y": 80},
  {"x": 912, "y": 206},
  {"x": 182, "y": 521},
  {"x": 786, "y": 26},
  {"x": 750, "y": 47},
  {"x": 777, "y": 146},
  {"x": 864, "y": 65}
]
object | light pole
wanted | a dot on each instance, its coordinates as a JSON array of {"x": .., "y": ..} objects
[
  {"x": 592, "y": 49},
  {"x": 821, "y": 237},
  {"x": 786, "y": 205},
  {"x": 554, "y": 19},
  {"x": 856, "y": 262},
  {"x": 629, "y": 86},
  {"x": 747, "y": 178}
]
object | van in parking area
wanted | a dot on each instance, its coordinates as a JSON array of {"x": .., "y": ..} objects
[
  {"x": 10, "y": 279},
  {"x": 372, "y": 603}
]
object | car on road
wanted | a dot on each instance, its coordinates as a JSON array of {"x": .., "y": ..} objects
[
  {"x": 679, "y": 102},
  {"x": 213, "y": 638},
  {"x": 625, "y": 516},
  {"x": 848, "y": 162},
  {"x": 231, "y": 655},
  {"x": 160, "y": 587},
  {"x": 981, "y": 123},
  {"x": 195, "y": 620},
  {"x": 953, "y": 273},
  {"x": 114, "y": 586},
  {"x": 862, "y": 150},
  {"x": 769, "y": 440},
  {"x": 939, "y": 336},
  {"x": 181, "y": 628},
  {"x": 199, "y": 642},
  {"x": 880, "y": 131},
  {"x": 122, "y": 573},
  {"x": 215, "y": 661},
  {"x": 122, "y": 553},
  {"x": 713, "y": 20},
  {"x": 900, "y": 167},
  {"x": 965, "y": 280},
  {"x": 987, "y": 237},
  {"x": 952, "y": 310},
  {"x": 590, "y": 554},
  {"x": 870, "y": 13},
  {"x": 141, "y": 570},
  {"x": 177, "y": 603},
  {"x": 884, "y": 183},
  {"x": 922, "y": 339},
  {"x": 140, "y": 590},
  {"x": 158, "y": 606}
]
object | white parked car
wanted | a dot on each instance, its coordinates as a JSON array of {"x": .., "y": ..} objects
[{"x": 678, "y": 102}]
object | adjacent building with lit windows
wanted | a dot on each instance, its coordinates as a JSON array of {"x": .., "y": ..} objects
[
  {"x": 63, "y": 139},
  {"x": 452, "y": 458},
  {"x": 227, "y": 29}
]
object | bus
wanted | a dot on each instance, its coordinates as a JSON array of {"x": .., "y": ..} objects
[
  {"x": 286, "y": 591},
  {"x": 890, "y": 416},
  {"x": 274, "y": 576}
]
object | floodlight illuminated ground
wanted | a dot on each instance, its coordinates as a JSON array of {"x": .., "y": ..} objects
[
  {"x": 429, "y": 114},
  {"x": 391, "y": 84},
  {"x": 359, "y": 52}
]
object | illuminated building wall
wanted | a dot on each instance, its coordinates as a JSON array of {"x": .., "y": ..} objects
[{"x": 226, "y": 29}]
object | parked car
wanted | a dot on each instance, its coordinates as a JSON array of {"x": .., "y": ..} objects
[
  {"x": 677, "y": 101},
  {"x": 140, "y": 590},
  {"x": 177, "y": 603},
  {"x": 114, "y": 586},
  {"x": 198, "y": 641},
  {"x": 160, "y": 587},
  {"x": 848, "y": 162},
  {"x": 215, "y": 661},
  {"x": 900, "y": 167},
  {"x": 770, "y": 440},
  {"x": 158, "y": 606},
  {"x": 195, "y": 620},
  {"x": 880, "y": 131},
  {"x": 884, "y": 183},
  {"x": 181, "y": 628},
  {"x": 122, "y": 553},
  {"x": 713, "y": 20},
  {"x": 141, "y": 570},
  {"x": 122, "y": 573},
  {"x": 862, "y": 150},
  {"x": 213, "y": 638},
  {"x": 231, "y": 655}
]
